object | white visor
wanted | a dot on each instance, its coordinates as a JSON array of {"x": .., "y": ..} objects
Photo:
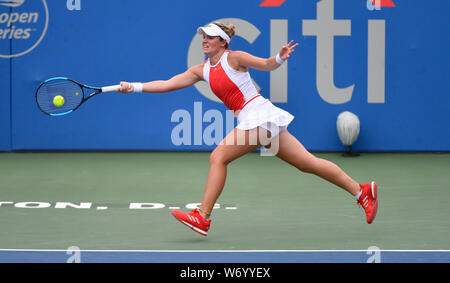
[{"x": 214, "y": 30}]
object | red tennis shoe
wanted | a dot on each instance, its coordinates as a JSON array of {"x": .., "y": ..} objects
[
  {"x": 369, "y": 200},
  {"x": 193, "y": 220}
]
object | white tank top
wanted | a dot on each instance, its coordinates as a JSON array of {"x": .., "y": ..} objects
[{"x": 234, "y": 88}]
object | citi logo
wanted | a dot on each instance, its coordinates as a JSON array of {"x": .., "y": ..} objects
[
  {"x": 272, "y": 3},
  {"x": 11, "y": 3},
  {"x": 324, "y": 29},
  {"x": 378, "y": 4},
  {"x": 371, "y": 4}
]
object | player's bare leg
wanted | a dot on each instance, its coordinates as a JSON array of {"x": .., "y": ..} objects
[
  {"x": 294, "y": 153},
  {"x": 235, "y": 144}
]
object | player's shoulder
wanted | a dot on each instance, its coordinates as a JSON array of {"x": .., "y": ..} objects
[
  {"x": 197, "y": 70},
  {"x": 236, "y": 53},
  {"x": 237, "y": 59},
  {"x": 238, "y": 56}
]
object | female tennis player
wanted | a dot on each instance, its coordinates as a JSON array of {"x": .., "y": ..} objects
[{"x": 260, "y": 122}]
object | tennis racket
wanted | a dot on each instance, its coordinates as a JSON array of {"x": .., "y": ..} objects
[{"x": 49, "y": 93}]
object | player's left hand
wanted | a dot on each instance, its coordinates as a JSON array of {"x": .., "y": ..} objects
[{"x": 287, "y": 50}]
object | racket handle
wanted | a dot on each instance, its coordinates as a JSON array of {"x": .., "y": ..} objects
[{"x": 110, "y": 88}]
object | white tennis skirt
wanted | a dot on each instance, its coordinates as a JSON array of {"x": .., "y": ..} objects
[{"x": 260, "y": 112}]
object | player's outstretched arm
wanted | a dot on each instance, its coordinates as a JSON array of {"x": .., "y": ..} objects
[
  {"x": 186, "y": 79},
  {"x": 247, "y": 60}
]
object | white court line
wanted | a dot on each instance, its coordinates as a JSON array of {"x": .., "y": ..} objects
[{"x": 215, "y": 251}]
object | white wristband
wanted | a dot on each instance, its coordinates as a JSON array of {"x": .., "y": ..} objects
[
  {"x": 279, "y": 60},
  {"x": 137, "y": 87}
]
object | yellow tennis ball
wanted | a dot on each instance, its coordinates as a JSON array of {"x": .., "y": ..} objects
[{"x": 58, "y": 101}]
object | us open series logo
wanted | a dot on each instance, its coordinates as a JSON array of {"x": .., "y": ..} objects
[{"x": 23, "y": 21}]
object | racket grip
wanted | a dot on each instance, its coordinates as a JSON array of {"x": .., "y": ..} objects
[{"x": 110, "y": 88}]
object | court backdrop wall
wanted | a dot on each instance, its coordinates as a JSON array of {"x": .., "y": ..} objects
[
  {"x": 389, "y": 66},
  {"x": 5, "y": 94}
]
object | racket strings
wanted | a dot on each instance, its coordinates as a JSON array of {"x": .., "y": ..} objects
[{"x": 70, "y": 91}]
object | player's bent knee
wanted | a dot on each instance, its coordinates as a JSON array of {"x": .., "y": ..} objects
[
  {"x": 305, "y": 169},
  {"x": 307, "y": 166},
  {"x": 218, "y": 158}
]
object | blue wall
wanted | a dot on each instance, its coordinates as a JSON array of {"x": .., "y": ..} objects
[
  {"x": 5, "y": 124},
  {"x": 104, "y": 43}
]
